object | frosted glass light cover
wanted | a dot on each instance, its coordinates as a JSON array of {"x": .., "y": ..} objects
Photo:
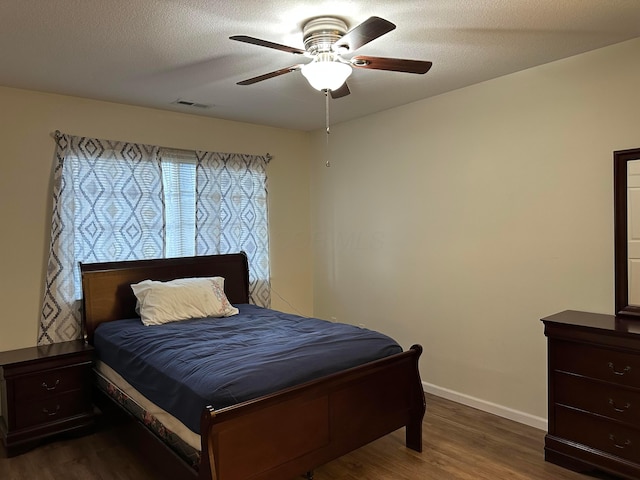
[{"x": 326, "y": 75}]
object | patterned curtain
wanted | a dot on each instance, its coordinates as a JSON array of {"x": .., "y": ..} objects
[
  {"x": 109, "y": 205},
  {"x": 231, "y": 213}
]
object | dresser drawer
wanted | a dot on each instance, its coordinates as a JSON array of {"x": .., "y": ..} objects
[
  {"x": 600, "y": 363},
  {"x": 52, "y": 382},
  {"x": 611, "y": 401},
  {"x": 51, "y": 409},
  {"x": 597, "y": 433}
]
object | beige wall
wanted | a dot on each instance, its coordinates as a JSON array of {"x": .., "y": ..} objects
[
  {"x": 459, "y": 221},
  {"x": 26, "y": 160}
]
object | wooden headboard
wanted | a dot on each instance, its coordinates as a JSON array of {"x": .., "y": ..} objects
[{"x": 106, "y": 287}]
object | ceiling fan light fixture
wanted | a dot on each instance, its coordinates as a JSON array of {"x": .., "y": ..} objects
[
  {"x": 326, "y": 41},
  {"x": 326, "y": 75}
]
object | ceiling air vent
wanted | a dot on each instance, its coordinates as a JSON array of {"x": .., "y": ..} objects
[{"x": 187, "y": 103}]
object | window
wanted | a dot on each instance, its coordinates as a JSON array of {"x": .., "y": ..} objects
[
  {"x": 179, "y": 185},
  {"x": 121, "y": 201}
]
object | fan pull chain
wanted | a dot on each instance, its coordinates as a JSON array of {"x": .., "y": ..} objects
[{"x": 326, "y": 96}]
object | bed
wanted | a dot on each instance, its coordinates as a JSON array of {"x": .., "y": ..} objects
[{"x": 276, "y": 435}]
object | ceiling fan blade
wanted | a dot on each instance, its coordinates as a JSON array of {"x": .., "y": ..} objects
[
  {"x": 343, "y": 91},
  {"x": 266, "y": 43},
  {"x": 364, "y": 33},
  {"x": 277, "y": 73},
  {"x": 392, "y": 64}
]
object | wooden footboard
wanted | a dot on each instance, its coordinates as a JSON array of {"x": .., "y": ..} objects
[{"x": 296, "y": 430}]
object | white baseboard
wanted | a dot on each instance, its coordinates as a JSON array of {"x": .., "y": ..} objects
[{"x": 502, "y": 411}]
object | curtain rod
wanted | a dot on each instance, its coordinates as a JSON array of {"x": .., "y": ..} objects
[{"x": 57, "y": 134}]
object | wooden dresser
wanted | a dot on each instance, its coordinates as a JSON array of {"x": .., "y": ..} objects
[
  {"x": 594, "y": 392},
  {"x": 44, "y": 391}
]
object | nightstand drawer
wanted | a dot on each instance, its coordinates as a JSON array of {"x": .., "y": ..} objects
[
  {"x": 52, "y": 382},
  {"x": 617, "y": 403},
  {"x": 54, "y": 408},
  {"x": 597, "y": 433},
  {"x": 600, "y": 363}
]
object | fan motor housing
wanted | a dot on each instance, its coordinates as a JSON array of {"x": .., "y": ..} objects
[{"x": 321, "y": 33}]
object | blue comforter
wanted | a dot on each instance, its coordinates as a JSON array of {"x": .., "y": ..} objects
[{"x": 184, "y": 366}]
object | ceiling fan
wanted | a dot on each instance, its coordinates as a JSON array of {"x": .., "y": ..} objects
[{"x": 326, "y": 40}]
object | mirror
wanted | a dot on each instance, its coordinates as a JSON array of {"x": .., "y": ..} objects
[{"x": 626, "y": 190}]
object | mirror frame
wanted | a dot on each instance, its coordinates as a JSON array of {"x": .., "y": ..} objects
[{"x": 620, "y": 159}]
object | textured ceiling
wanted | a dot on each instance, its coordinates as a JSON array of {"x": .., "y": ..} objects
[{"x": 154, "y": 52}]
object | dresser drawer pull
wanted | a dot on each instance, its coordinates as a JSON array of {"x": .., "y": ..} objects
[
  {"x": 619, "y": 445},
  {"x": 51, "y": 414},
  {"x": 618, "y": 409},
  {"x": 47, "y": 387},
  {"x": 626, "y": 369}
]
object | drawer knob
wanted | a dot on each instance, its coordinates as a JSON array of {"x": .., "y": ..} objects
[
  {"x": 47, "y": 387},
  {"x": 626, "y": 369},
  {"x": 616, "y": 444},
  {"x": 619, "y": 409},
  {"x": 51, "y": 413}
]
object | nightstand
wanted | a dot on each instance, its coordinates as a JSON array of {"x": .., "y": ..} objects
[{"x": 44, "y": 391}]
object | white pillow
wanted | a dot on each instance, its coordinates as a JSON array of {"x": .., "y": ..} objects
[{"x": 164, "y": 302}]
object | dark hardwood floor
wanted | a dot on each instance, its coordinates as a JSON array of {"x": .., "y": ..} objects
[{"x": 460, "y": 443}]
